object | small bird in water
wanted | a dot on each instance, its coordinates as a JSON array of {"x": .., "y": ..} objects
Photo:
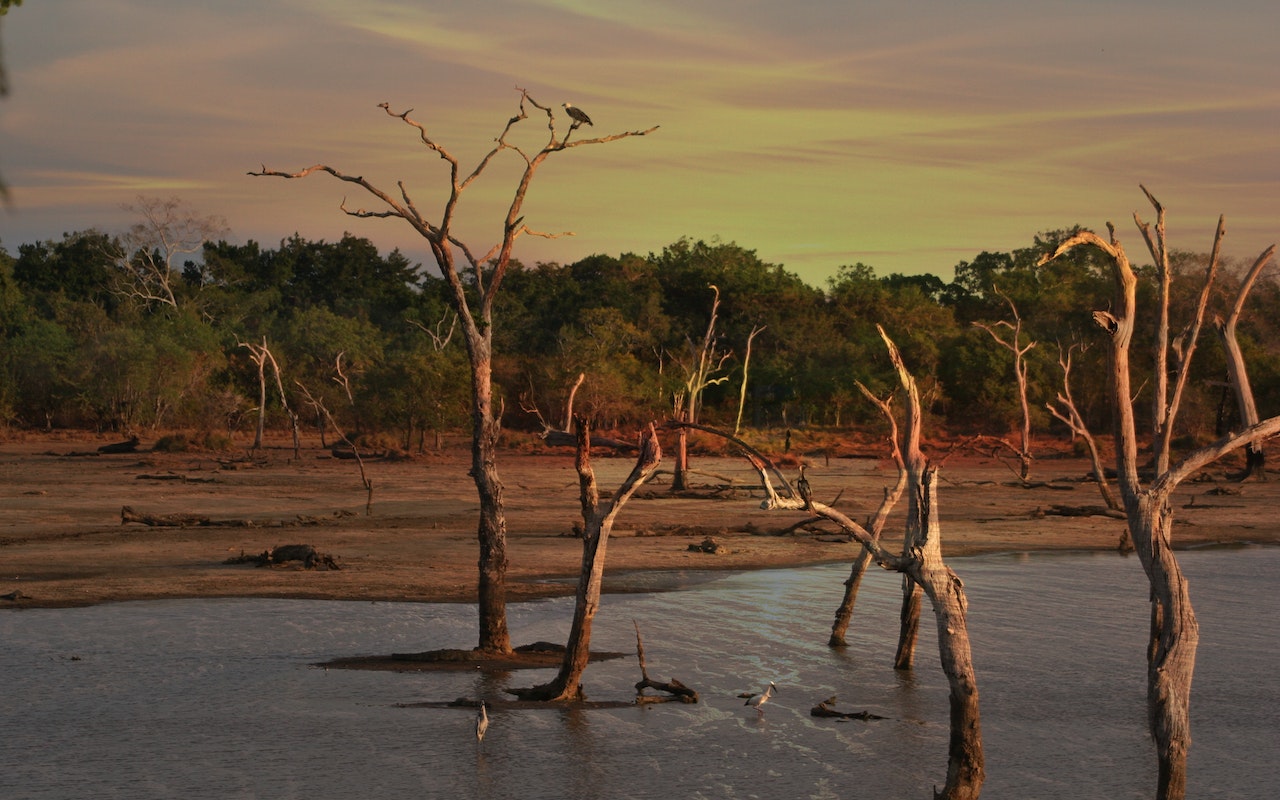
[
  {"x": 804, "y": 490},
  {"x": 758, "y": 700},
  {"x": 482, "y": 723}
]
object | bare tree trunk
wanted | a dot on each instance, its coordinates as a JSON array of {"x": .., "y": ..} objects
[
  {"x": 1174, "y": 631},
  {"x": 1015, "y": 346},
  {"x": 1255, "y": 460},
  {"x": 598, "y": 524},
  {"x": 908, "y": 624},
  {"x": 844, "y": 612},
  {"x": 491, "y": 534}
]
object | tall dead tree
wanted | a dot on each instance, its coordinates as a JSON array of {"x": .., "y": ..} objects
[
  {"x": 474, "y": 279},
  {"x": 1175, "y": 634},
  {"x": 1255, "y": 460},
  {"x": 151, "y": 250},
  {"x": 598, "y": 519},
  {"x": 704, "y": 361}
]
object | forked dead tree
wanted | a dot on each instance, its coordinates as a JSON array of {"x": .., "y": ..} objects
[
  {"x": 921, "y": 561},
  {"x": 598, "y": 519},
  {"x": 474, "y": 279},
  {"x": 705, "y": 360},
  {"x": 1255, "y": 460},
  {"x": 261, "y": 355},
  {"x": 1175, "y": 632}
]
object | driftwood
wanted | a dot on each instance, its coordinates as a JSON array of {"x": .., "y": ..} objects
[
  {"x": 824, "y": 709},
  {"x": 556, "y": 438},
  {"x": 127, "y": 514},
  {"x": 675, "y": 690}
]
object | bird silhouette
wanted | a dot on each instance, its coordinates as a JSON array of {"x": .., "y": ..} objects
[
  {"x": 758, "y": 700},
  {"x": 482, "y": 723},
  {"x": 804, "y": 490}
]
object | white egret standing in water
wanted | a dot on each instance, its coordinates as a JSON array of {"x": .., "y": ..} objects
[{"x": 482, "y": 723}]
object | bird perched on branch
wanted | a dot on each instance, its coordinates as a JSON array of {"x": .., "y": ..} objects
[
  {"x": 758, "y": 700},
  {"x": 576, "y": 114},
  {"x": 804, "y": 490},
  {"x": 482, "y": 723}
]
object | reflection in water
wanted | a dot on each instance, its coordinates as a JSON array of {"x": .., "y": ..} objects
[{"x": 217, "y": 699}]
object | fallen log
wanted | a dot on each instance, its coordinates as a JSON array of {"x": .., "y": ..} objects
[
  {"x": 676, "y": 691},
  {"x": 824, "y": 709},
  {"x": 127, "y": 514}
]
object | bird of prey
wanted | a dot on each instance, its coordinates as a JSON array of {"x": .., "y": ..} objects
[
  {"x": 758, "y": 700},
  {"x": 482, "y": 723},
  {"x": 804, "y": 490},
  {"x": 576, "y": 114}
]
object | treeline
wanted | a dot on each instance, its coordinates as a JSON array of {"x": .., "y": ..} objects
[{"x": 92, "y": 336}]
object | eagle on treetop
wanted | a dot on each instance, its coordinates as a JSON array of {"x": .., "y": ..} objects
[{"x": 578, "y": 116}]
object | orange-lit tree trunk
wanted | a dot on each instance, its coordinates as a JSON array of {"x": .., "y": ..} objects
[
  {"x": 472, "y": 300},
  {"x": 598, "y": 522}
]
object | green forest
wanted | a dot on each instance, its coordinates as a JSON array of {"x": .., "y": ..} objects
[{"x": 97, "y": 333}]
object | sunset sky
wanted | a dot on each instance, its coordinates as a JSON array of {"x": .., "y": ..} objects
[{"x": 905, "y": 135}]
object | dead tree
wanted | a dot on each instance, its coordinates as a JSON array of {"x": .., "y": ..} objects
[
  {"x": 920, "y": 560},
  {"x": 474, "y": 279},
  {"x": 1066, "y": 410},
  {"x": 756, "y": 330},
  {"x": 323, "y": 412},
  {"x": 844, "y": 612},
  {"x": 1171, "y": 650},
  {"x": 1255, "y": 460},
  {"x": 705, "y": 360},
  {"x": 150, "y": 251},
  {"x": 1014, "y": 345},
  {"x": 598, "y": 519},
  {"x": 261, "y": 355}
]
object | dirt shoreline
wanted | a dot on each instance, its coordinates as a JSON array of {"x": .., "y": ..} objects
[{"x": 63, "y": 543}]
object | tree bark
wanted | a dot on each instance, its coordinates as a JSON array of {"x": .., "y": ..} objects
[
  {"x": 1174, "y": 629},
  {"x": 598, "y": 524}
]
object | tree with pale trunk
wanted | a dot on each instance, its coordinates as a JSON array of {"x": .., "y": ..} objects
[
  {"x": 473, "y": 280},
  {"x": 1255, "y": 460},
  {"x": 1175, "y": 633},
  {"x": 150, "y": 251}
]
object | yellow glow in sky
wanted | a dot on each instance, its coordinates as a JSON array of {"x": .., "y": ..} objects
[{"x": 905, "y": 136}]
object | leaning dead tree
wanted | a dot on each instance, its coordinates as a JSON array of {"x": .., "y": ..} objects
[
  {"x": 875, "y": 525},
  {"x": 1175, "y": 631},
  {"x": 474, "y": 279},
  {"x": 598, "y": 518},
  {"x": 1255, "y": 461},
  {"x": 921, "y": 561},
  {"x": 1014, "y": 345}
]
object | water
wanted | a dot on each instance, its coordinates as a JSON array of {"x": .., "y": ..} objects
[{"x": 218, "y": 698}]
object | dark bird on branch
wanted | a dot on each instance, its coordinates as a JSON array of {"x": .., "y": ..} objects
[
  {"x": 578, "y": 116},
  {"x": 804, "y": 490}
]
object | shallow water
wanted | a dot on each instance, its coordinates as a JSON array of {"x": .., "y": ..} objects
[{"x": 218, "y": 698}]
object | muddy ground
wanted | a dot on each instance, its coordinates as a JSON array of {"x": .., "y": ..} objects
[{"x": 63, "y": 543}]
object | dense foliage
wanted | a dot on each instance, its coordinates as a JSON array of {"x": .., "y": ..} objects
[{"x": 81, "y": 346}]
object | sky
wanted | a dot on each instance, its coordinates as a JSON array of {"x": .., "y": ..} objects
[{"x": 905, "y": 135}]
